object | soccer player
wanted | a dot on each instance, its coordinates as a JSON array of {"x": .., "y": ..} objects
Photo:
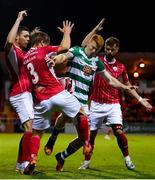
[
  {"x": 82, "y": 65},
  {"x": 48, "y": 91},
  {"x": 20, "y": 95},
  {"x": 105, "y": 102}
]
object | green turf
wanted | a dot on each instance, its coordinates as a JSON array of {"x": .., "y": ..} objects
[{"x": 107, "y": 161}]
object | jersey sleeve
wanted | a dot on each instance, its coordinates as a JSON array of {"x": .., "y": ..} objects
[
  {"x": 11, "y": 52},
  {"x": 75, "y": 50},
  {"x": 125, "y": 75},
  {"x": 52, "y": 49},
  {"x": 100, "y": 66}
]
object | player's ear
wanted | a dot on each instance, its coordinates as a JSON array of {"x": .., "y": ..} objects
[{"x": 42, "y": 43}]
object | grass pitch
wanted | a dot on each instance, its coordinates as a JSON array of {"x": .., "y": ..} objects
[{"x": 107, "y": 161}]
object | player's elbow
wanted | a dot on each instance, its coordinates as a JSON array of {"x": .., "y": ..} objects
[{"x": 63, "y": 49}]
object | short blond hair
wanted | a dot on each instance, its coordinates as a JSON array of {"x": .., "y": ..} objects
[{"x": 99, "y": 41}]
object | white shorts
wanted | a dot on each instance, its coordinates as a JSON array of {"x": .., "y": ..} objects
[
  {"x": 98, "y": 112},
  {"x": 86, "y": 109},
  {"x": 23, "y": 105},
  {"x": 63, "y": 100}
]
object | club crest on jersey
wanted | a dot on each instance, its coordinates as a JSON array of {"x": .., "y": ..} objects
[
  {"x": 87, "y": 70},
  {"x": 115, "y": 68}
]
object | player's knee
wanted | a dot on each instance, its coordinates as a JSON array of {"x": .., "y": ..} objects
[
  {"x": 28, "y": 125},
  {"x": 82, "y": 120},
  {"x": 61, "y": 121},
  {"x": 117, "y": 129}
]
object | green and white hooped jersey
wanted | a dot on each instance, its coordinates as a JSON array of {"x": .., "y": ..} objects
[{"x": 81, "y": 70}]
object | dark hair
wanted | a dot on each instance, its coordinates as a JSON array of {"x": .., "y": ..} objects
[
  {"x": 38, "y": 36},
  {"x": 111, "y": 41},
  {"x": 22, "y": 28}
]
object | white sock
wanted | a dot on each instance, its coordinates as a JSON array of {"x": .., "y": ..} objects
[
  {"x": 127, "y": 158},
  {"x": 87, "y": 161}
]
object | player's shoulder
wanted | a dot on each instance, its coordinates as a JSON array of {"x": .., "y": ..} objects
[
  {"x": 119, "y": 63},
  {"x": 18, "y": 49},
  {"x": 75, "y": 48},
  {"x": 50, "y": 48},
  {"x": 77, "y": 51}
]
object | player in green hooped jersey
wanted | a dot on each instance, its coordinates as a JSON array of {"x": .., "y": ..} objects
[
  {"x": 82, "y": 64},
  {"x": 81, "y": 69}
]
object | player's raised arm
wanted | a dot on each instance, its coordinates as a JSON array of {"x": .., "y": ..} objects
[
  {"x": 13, "y": 32},
  {"x": 94, "y": 31},
  {"x": 66, "y": 30}
]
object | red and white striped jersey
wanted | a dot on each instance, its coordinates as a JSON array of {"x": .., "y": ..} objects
[
  {"x": 19, "y": 79},
  {"x": 102, "y": 92},
  {"x": 44, "y": 80}
]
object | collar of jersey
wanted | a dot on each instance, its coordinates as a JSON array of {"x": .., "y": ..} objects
[{"x": 113, "y": 62}]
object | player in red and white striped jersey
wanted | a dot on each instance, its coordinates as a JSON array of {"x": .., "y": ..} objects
[{"x": 20, "y": 94}]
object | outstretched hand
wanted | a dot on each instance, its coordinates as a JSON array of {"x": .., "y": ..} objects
[
  {"x": 99, "y": 25},
  {"x": 67, "y": 27},
  {"x": 146, "y": 104}
]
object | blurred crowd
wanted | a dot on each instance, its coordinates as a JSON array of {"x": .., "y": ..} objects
[{"x": 133, "y": 112}]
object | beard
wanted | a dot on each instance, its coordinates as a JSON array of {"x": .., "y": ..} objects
[{"x": 109, "y": 57}]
